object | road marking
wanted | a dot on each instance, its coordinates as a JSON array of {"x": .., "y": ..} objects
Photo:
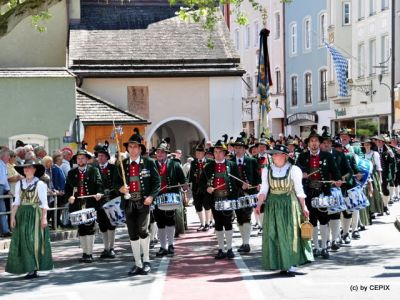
[
  {"x": 251, "y": 284},
  {"x": 157, "y": 288}
]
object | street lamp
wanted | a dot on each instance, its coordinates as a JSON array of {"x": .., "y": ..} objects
[{"x": 284, "y": 115}]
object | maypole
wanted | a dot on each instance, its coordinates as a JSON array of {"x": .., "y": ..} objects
[{"x": 264, "y": 79}]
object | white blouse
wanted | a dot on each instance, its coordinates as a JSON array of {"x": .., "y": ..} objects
[
  {"x": 376, "y": 160},
  {"x": 295, "y": 174},
  {"x": 41, "y": 188}
]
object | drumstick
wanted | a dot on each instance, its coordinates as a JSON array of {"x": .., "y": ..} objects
[
  {"x": 88, "y": 196},
  {"x": 174, "y": 186},
  {"x": 244, "y": 182},
  {"x": 313, "y": 173},
  {"x": 219, "y": 186}
]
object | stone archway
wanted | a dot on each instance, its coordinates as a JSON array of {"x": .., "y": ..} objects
[{"x": 184, "y": 134}]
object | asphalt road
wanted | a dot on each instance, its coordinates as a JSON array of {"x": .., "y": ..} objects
[{"x": 368, "y": 268}]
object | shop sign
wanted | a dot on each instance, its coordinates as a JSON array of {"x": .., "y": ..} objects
[
  {"x": 302, "y": 117},
  {"x": 340, "y": 112}
]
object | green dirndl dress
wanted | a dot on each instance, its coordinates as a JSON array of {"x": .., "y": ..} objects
[
  {"x": 30, "y": 244},
  {"x": 282, "y": 245},
  {"x": 376, "y": 201}
]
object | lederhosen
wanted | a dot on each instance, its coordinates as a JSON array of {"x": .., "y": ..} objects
[
  {"x": 200, "y": 199},
  {"x": 164, "y": 218},
  {"x": 107, "y": 174}
]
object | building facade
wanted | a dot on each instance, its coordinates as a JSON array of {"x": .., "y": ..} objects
[
  {"x": 307, "y": 104},
  {"x": 396, "y": 65},
  {"x": 367, "y": 110}
]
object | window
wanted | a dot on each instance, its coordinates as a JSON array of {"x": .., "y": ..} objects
[
  {"x": 307, "y": 82},
  {"x": 372, "y": 9},
  {"x": 277, "y": 25},
  {"x": 256, "y": 34},
  {"x": 384, "y": 4},
  {"x": 385, "y": 51},
  {"x": 322, "y": 83},
  {"x": 361, "y": 9},
  {"x": 278, "y": 81},
  {"x": 372, "y": 56},
  {"x": 249, "y": 86},
  {"x": 237, "y": 39},
  {"x": 247, "y": 39},
  {"x": 361, "y": 60},
  {"x": 323, "y": 29},
  {"x": 307, "y": 34},
  {"x": 346, "y": 13},
  {"x": 293, "y": 39},
  {"x": 294, "y": 90}
]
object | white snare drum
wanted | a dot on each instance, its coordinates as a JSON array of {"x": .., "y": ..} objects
[
  {"x": 114, "y": 213},
  {"x": 357, "y": 199},
  {"x": 247, "y": 201},
  {"x": 323, "y": 202},
  {"x": 339, "y": 203},
  {"x": 226, "y": 204},
  {"x": 83, "y": 216},
  {"x": 168, "y": 201}
]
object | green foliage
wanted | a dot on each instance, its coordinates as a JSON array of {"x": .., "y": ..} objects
[{"x": 39, "y": 20}]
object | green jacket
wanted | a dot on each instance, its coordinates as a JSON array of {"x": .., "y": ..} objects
[
  {"x": 208, "y": 175},
  {"x": 195, "y": 175},
  {"x": 92, "y": 183},
  {"x": 148, "y": 176},
  {"x": 250, "y": 174},
  {"x": 110, "y": 181},
  {"x": 175, "y": 176}
]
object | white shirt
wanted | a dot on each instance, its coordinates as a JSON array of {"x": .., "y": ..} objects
[
  {"x": 240, "y": 160},
  {"x": 220, "y": 162},
  {"x": 295, "y": 174},
  {"x": 103, "y": 166},
  {"x": 41, "y": 188},
  {"x": 375, "y": 158},
  {"x": 137, "y": 160}
]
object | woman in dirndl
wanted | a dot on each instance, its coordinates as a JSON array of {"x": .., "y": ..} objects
[
  {"x": 30, "y": 249},
  {"x": 282, "y": 191},
  {"x": 375, "y": 194}
]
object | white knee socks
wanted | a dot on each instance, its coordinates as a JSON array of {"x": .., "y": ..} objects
[
  {"x": 170, "y": 230},
  {"x": 201, "y": 217},
  {"x": 335, "y": 229},
  {"x": 246, "y": 228},
  {"x": 346, "y": 225},
  {"x": 106, "y": 240},
  {"x": 354, "y": 220},
  {"x": 111, "y": 238},
  {"x": 136, "y": 253},
  {"x": 315, "y": 237},
  {"x": 162, "y": 234},
  {"x": 324, "y": 229},
  {"x": 145, "y": 244},
  {"x": 228, "y": 236},
  {"x": 220, "y": 239}
]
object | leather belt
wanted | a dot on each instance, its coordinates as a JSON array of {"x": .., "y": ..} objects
[
  {"x": 220, "y": 193},
  {"x": 136, "y": 196}
]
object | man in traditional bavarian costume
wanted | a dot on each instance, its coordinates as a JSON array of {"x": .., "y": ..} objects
[
  {"x": 318, "y": 166},
  {"x": 201, "y": 199},
  {"x": 350, "y": 218},
  {"x": 83, "y": 181},
  {"x": 109, "y": 177},
  {"x": 395, "y": 186},
  {"x": 347, "y": 178},
  {"x": 248, "y": 171},
  {"x": 217, "y": 182},
  {"x": 143, "y": 185},
  {"x": 388, "y": 169},
  {"x": 171, "y": 174}
]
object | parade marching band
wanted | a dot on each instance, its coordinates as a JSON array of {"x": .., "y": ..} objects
[{"x": 339, "y": 184}]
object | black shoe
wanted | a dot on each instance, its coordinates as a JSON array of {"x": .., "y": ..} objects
[
  {"x": 135, "y": 271},
  {"x": 212, "y": 224},
  {"x": 372, "y": 216},
  {"x": 328, "y": 244},
  {"x": 260, "y": 231},
  {"x": 206, "y": 227},
  {"x": 111, "y": 253},
  {"x": 7, "y": 234},
  {"x": 241, "y": 248},
  {"x": 355, "y": 235},
  {"x": 171, "y": 250},
  {"x": 220, "y": 255},
  {"x": 162, "y": 252},
  {"x": 89, "y": 259},
  {"x": 287, "y": 273},
  {"x": 246, "y": 248},
  {"x": 325, "y": 253},
  {"x": 335, "y": 246},
  {"x": 152, "y": 243},
  {"x": 230, "y": 254},
  {"x": 316, "y": 252},
  {"x": 362, "y": 228},
  {"x": 146, "y": 268},
  {"x": 104, "y": 254},
  {"x": 386, "y": 210},
  {"x": 31, "y": 275},
  {"x": 200, "y": 228},
  {"x": 83, "y": 258},
  {"x": 346, "y": 239},
  {"x": 390, "y": 202}
]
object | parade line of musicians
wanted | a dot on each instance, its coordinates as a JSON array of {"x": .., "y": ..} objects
[{"x": 283, "y": 183}]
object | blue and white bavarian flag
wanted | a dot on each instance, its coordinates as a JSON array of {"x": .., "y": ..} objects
[{"x": 341, "y": 67}]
